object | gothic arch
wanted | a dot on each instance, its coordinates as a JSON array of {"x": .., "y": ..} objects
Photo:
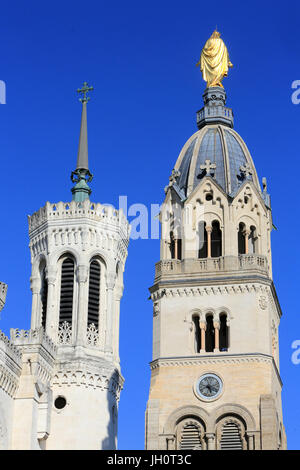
[
  {"x": 100, "y": 255},
  {"x": 37, "y": 263},
  {"x": 99, "y": 258},
  {"x": 59, "y": 253}
]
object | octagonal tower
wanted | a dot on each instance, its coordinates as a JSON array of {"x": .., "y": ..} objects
[{"x": 71, "y": 379}]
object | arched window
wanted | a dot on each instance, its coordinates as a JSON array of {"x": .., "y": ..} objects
[
  {"x": 216, "y": 240},
  {"x": 252, "y": 240},
  {"x": 230, "y": 433},
  {"x": 209, "y": 334},
  {"x": 223, "y": 332},
  {"x": 190, "y": 435},
  {"x": 231, "y": 438},
  {"x": 94, "y": 293},
  {"x": 44, "y": 296},
  {"x": 241, "y": 239},
  {"x": 66, "y": 291},
  {"x": 202, "y": 253},
  {"x": 197, "y": 331}
]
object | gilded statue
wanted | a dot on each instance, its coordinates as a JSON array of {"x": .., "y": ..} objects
[{"x": 214, "y": 61}]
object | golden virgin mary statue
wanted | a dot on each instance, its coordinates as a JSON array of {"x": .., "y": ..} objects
[{"x": 214, "y": 61}]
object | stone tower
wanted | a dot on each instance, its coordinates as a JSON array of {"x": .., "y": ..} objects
[
  {"x": 69, "y": 377},
  {"x": 215, "y": 381}
]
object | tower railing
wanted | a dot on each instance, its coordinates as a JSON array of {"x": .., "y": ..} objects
[{"x": 220, "y": 265}]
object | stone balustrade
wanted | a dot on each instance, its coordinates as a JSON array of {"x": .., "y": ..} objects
[
  {"x": 222, "y": 265},
  {"x": 9, "y": 348},
  {"x": 33, "y": 337}
]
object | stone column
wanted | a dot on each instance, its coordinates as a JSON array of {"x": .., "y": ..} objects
[
  {"x": 118, "y": 295},
  {"x": 170, "y": 438},
  {"x": 203, "y": 329},
  {"x": 250, "y": 441},
  {"x": 208, "y": 231},
  {"x": 217, "y": 336},
  {"x": 80, "y": 323},
  {"x": 247, "y": 233},
  {"x": 51, "y": 330},
  {"x": 35, "y": 286},
  {"x": 210, "y": 441},
  {"x": 110, "y": 284}
]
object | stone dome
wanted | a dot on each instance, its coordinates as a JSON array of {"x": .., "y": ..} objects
[{"x": 216, "y": 150}]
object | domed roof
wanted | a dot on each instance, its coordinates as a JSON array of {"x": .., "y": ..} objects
[{"x": 218, "y": 151}]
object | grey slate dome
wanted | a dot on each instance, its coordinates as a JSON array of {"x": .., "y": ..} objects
[
  {"x": 215, "y": 150},
  {"x": 218, "y": 151}
]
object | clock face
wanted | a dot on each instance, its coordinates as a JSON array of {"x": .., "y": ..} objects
[{"x": 209, "y": 386}]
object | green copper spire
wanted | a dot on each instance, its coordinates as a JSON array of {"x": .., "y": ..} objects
[{"x": 81, "y": 176}]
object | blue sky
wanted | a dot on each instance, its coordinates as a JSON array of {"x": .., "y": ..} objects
[{"x": 140, "y": 57}]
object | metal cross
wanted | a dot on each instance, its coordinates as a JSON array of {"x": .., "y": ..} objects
[
  {"x": 84, "y": 90},
  {"x": 208, "y": 167},
  {"x": 246, "y": 170}
]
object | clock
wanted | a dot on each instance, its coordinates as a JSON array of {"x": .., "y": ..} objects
[{"x": 209, "y": 387}]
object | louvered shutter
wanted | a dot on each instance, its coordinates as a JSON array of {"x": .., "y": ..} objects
[
  {"x": 94, "y": 293},
  {"x": 231, "y": 438},
  {"x": 44, "y": 296},
  {"x": 66, "y": 291},
  {"x": 190, "y": 437}
]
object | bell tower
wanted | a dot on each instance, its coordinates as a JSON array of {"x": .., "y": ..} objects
[
  {"x": 71, "y": 379},
  {"x": 215, "y": 381}
]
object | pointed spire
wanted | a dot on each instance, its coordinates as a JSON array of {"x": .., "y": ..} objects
[
  {"x": 82, "y": 156},
  {"x": 81, "y": 176}
]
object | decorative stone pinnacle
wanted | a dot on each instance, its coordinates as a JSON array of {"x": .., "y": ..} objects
[
  {"x": 172, "y": 179},
  {"x": 174, "y": 175},
  {"x": 84, "y": 90},
  {"x": 264, "y": 182}
]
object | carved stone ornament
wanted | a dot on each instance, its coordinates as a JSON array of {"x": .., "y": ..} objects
[
  {"x": 65, "y": 333},
  {"x": 92, "y": 335},
  {"x": 156, "y": 309},
  {"x": 263, "y": 302}
]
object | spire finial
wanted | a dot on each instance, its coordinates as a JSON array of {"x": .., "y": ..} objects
[{"x": 81, "y": 176}]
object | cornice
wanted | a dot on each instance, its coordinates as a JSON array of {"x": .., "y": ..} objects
[
  {"x": 82, "y": 375},
  {"x": 201, "y": 289},
  {"x": 183, "y": 361},
  {"x": 215, "y": 281}
]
